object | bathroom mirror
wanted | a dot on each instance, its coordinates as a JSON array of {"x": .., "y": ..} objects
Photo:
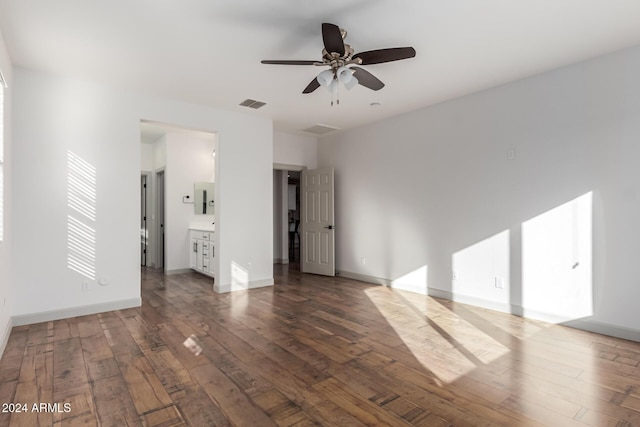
[{"x": 204, "y": 193}]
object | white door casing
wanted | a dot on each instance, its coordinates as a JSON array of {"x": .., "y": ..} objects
[{"x": 317, "y": 222}]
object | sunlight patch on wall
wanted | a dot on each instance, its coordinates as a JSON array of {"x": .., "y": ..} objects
[
  {"x": 81, "y": 186},
  {"x": 557, "y": 262},
  {"x": 422, "y": 326},
  {"x": 239, "y": 277},
  {"x": 81, "y": 199},
  {"x": 414, "y": 281},
  {"x": 81, "y": 244},
  {"x": 482, "y": 270}
]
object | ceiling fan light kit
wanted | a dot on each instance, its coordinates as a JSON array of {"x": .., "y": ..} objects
[
  {"x": 330, "y": 79},
  {"x": 341, "y": 57}
]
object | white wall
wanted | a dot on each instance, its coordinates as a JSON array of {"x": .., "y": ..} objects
[
  {"x": 54, "y": 116},
  {"x": 146, "y": 157},
  {"x": 460, "y": 179},
  {"x": 189, "y": 160},
  {"x": 244, "y": 188},
  {"x": 160, "y": 153},
  {"x": 294, "y": 149},
  {"x": 5, "y": 255}
]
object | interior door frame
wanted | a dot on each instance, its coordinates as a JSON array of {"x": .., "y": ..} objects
[
  {"x": 145, "y": 220},
  {"x": 160, "y": 192}
]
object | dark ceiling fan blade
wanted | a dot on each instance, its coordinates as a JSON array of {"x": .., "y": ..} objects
[
  {"x": 367, "y": 79},
  {"x": 332, "y": 38},
  {"x": 313, "y": 85},
  {"x": 287, "y": 62},
  {"x": 385, "y": 55}
]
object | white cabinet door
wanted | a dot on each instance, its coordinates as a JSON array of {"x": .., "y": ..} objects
[
  {"x": 193, "y": 255},
  {"x": 199, "y": 257},
  {"x": 205, "y": 256}
]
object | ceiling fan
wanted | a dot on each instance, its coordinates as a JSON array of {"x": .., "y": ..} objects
[{"x": 342, "y": 60}]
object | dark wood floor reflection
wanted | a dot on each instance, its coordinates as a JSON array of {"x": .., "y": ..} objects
[{"x": 313, "y": 351}]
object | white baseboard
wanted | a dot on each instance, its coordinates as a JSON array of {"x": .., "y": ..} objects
[
  {"x": 180, "y": 271},
  {"x": 584, "y": 324},
  {"x": 478, "y": 302},
  {"x": 46, "y": 316},
  {"x": 517, "y": 310},
  {"x": 364, "y": 278},
  {"x": 4, "y": 337},
  {"x": 239, "y": 287},
  {"x": 605, "y": 329},
  {"x": 380, "y": 281},
  {"x": 438, "y": 293}
]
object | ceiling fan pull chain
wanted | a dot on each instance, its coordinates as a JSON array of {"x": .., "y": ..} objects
[{"x": 333, "y": 88}]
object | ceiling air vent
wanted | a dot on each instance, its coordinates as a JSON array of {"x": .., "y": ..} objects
[
  {"x": 252, "y": 103},
  {"x": 320, "y": 129}
]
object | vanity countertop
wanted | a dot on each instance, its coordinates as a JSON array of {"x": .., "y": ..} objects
[{"x": 211, "y": 227}]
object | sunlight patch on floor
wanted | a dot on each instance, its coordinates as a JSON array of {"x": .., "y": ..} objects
[{"x": 443, "y": 342}]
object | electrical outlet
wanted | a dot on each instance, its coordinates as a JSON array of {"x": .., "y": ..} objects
[
  {"x": 363, "y": 261},
  {"x": 511, "y": 154},
  {"x": 499, "y": 282},
  {"x": 85, "y": 286},
  {"x": 454, "y": 275}
]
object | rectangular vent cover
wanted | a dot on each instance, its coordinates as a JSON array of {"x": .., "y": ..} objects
[
  {"x": 320, "y": 129},
  {"x": 252, "y": 103}
]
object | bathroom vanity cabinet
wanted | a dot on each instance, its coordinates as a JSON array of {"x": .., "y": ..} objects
[{"x": 203, "y": 251}]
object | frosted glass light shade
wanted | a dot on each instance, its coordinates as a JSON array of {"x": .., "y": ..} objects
[
  {"x": 345, "y": 75},
  {"x": 325, "y": 78}
]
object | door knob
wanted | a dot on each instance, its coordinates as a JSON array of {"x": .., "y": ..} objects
[{"x": 330, "y": 227}]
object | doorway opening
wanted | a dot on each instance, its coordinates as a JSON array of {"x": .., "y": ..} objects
[
  {"x": 287, "y": 227},
  {"x": 293, "y": 216},
  {"x": 180, "y": 168},
  {"x": 144, "y": 226}
]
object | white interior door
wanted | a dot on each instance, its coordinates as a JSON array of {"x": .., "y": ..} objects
[{"x": 317, "y": 222}]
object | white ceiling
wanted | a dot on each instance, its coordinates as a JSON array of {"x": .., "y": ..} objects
[{"x": 209, "y": 52}]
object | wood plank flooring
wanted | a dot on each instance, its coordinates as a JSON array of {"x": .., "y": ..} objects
[{"x": 313, "y": 351}]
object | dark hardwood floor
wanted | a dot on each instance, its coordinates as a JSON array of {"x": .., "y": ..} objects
[{"x": 313, "y": 351}]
